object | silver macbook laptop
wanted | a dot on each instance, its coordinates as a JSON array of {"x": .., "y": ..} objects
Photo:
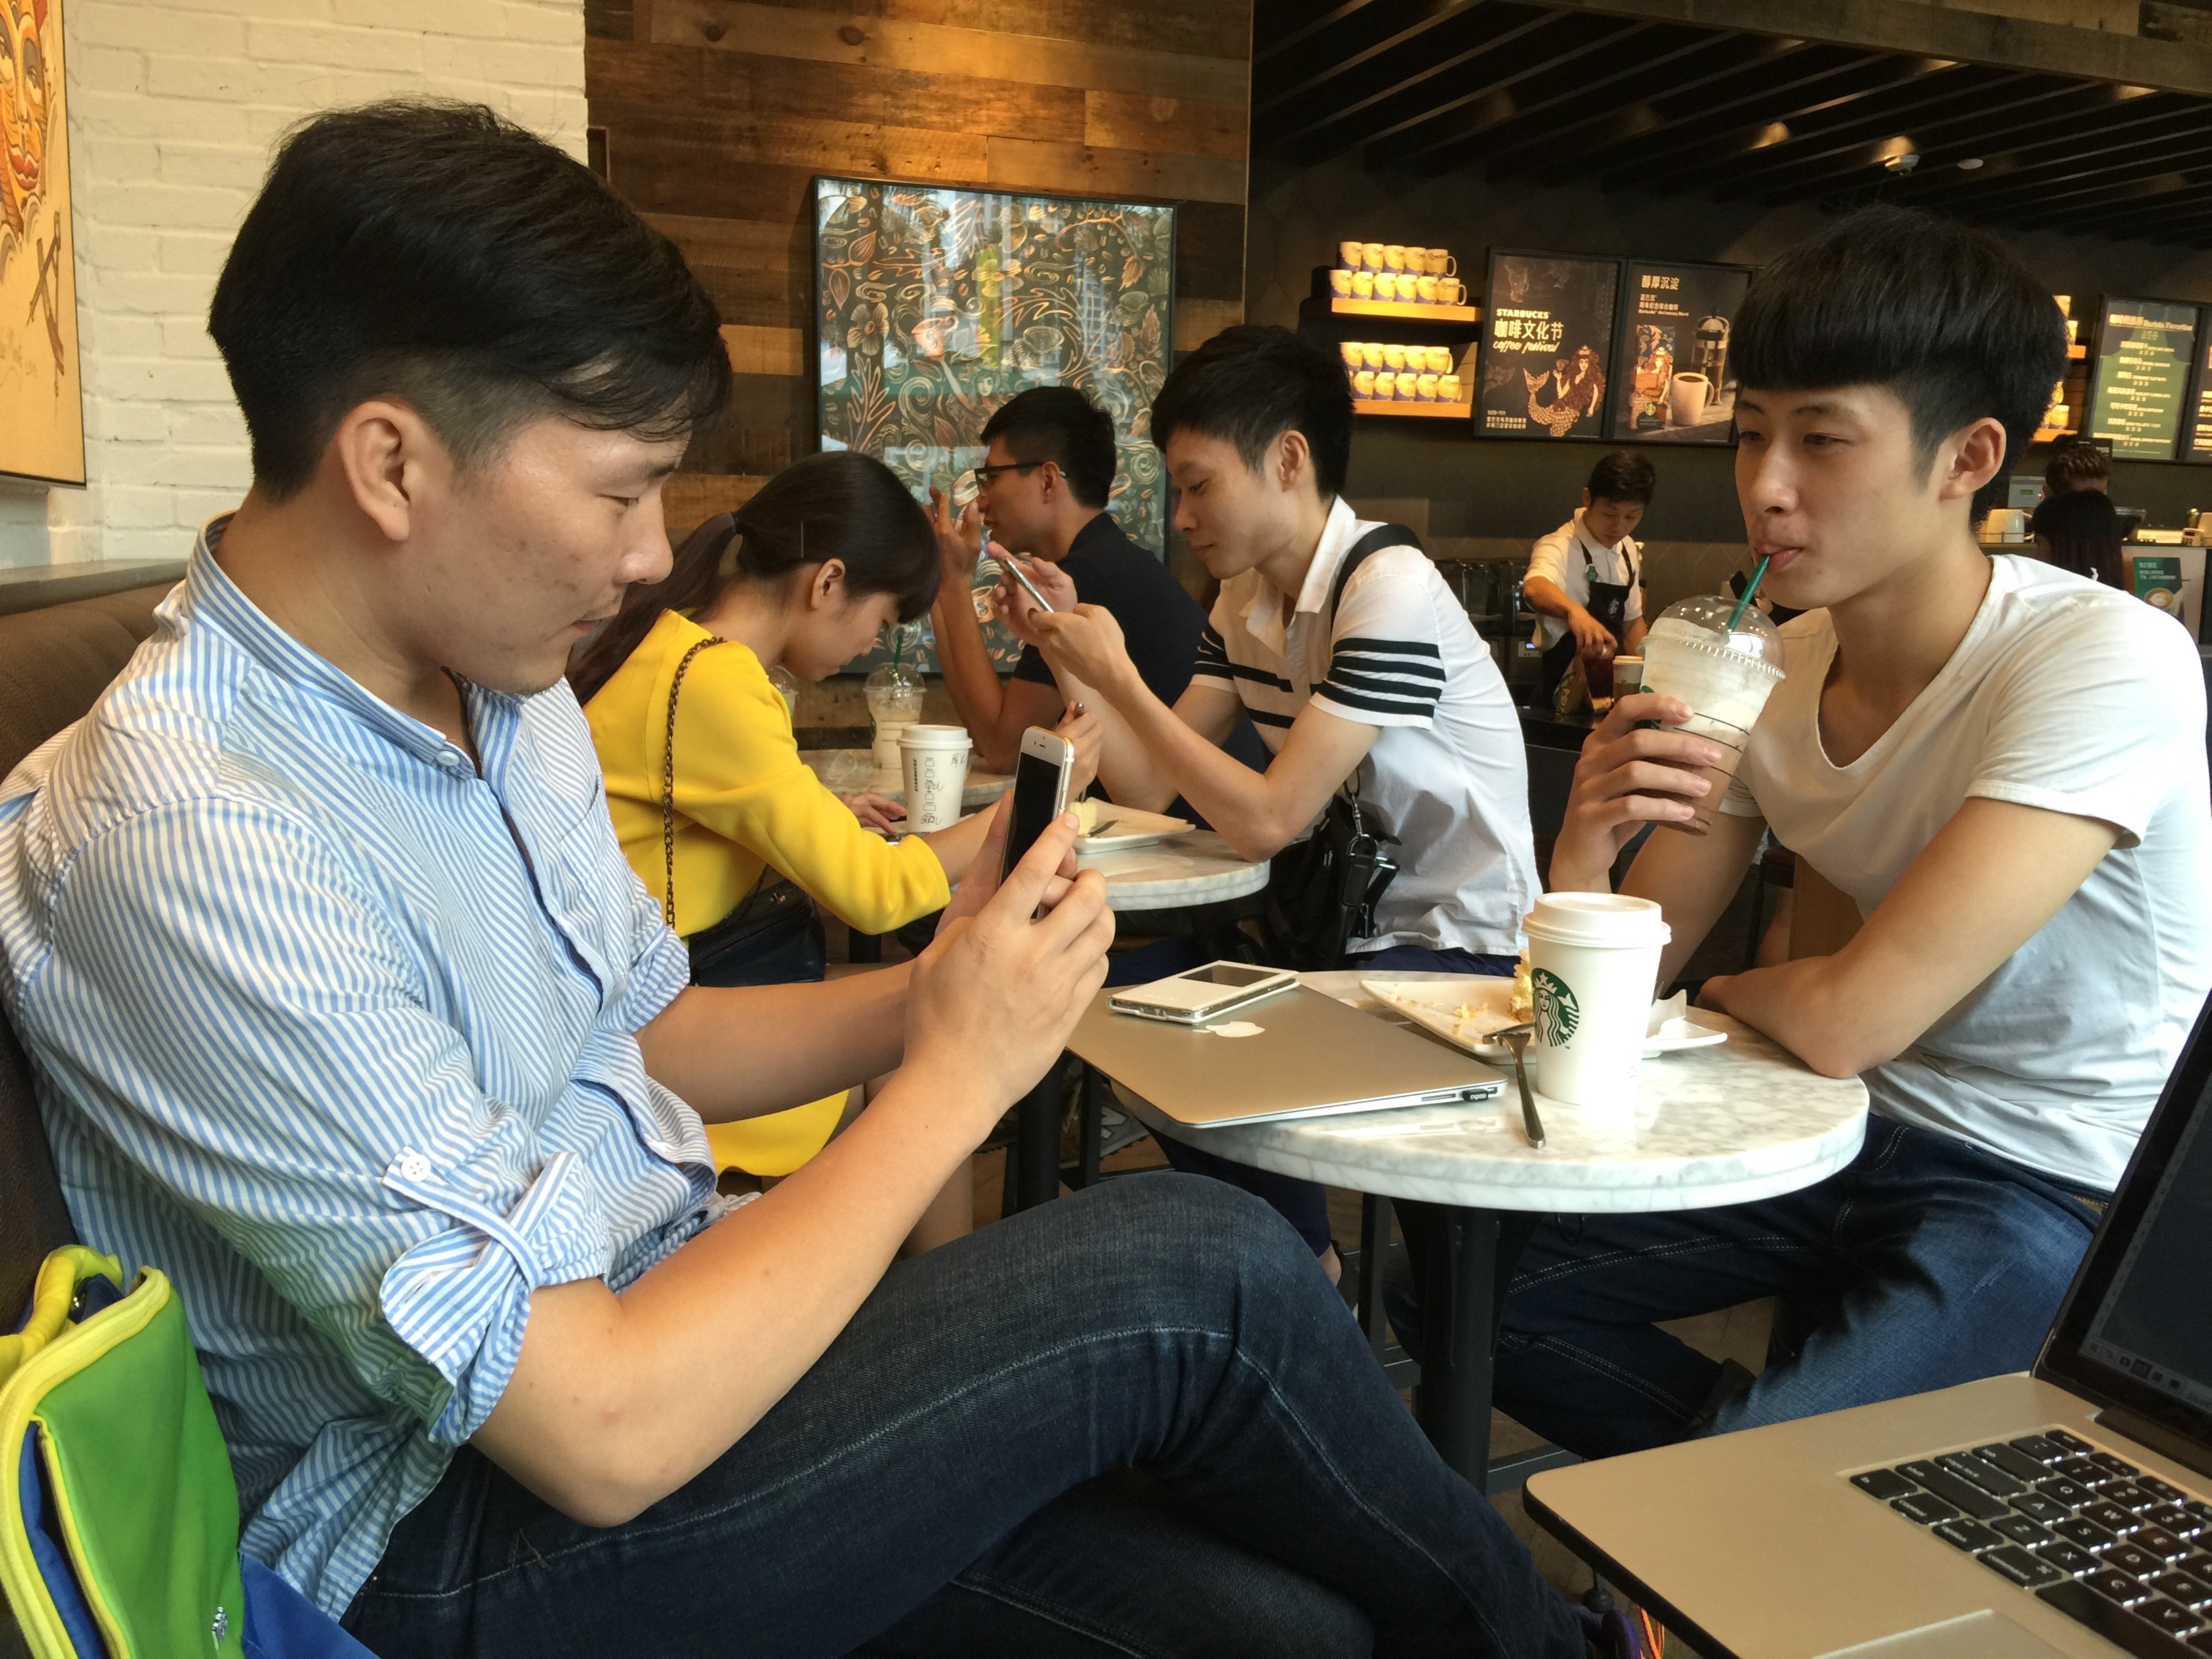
[
  {"x": 2065, "y": 1511},
  {"x": 1300, "y": 1054}
]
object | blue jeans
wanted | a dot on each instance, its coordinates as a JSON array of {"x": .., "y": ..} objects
[
  {"x": 1926, "y": 1262},
  {"x": 952, "y": 1478},
  {"x": 1305, "y": 1204}
]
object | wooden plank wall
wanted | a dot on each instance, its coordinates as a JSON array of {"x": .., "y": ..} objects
[{"x": 718, "y": 113}]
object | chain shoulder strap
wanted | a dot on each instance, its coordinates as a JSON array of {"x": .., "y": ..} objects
[{"x": 668, "y": 781}]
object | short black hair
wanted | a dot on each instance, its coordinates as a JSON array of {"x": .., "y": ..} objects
[
  {"x": 1057, "y": 423},
  {"x": 2083, "y": 529},
  {"x": 2074, "y": 464},
  {"x": 1623, "y": 476},
  {"x": 1251, "y": 384},
  {"x": 437, "y": 253},
  {"x": 1943, "y": 316}
]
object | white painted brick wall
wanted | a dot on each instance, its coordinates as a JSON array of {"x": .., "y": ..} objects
[{"x": 174, "y": 107}]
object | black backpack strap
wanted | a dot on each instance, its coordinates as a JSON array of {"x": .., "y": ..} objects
[{"x": 1382, "y": 536}]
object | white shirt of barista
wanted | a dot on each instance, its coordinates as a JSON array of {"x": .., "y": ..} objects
[
  {"x": 1559, "y": 557},
  {"x": 1448, "y": 775},
  {"x": 2063, "y": 695}
]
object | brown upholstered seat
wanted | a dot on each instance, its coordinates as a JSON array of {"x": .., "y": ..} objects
[{"x": 53, "y": 664}]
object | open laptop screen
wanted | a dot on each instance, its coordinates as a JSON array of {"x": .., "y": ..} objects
[{"x": 2136, "y": 1331}]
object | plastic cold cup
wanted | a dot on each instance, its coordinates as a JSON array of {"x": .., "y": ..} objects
[
  {"x": 1593, "y": 965},
  {"x": 1725, "y": 676},
  {"x": 934, "y": 760}
]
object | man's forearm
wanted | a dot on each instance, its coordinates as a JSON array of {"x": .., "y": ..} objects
[
  {"x": 1809, "y": 1007},
  {"x": 1230, "y": 796},
  {"x": 1547, "y": 597},
  {"x": 978, "y": 694},
  {"x": 735, "y": 1053}
]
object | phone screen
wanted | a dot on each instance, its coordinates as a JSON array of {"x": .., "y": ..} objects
[
  {"x": 1232, "y": 973},
  {"x": 1037, "y": 800}
]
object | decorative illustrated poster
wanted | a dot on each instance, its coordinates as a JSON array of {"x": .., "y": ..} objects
[
  {"x": 934, "y": 306},
  {"x": 1547, "y": 345},
  {"x": 2145, "y": 351},
  {"x": 1672, "y": 382},
  {"x": 41, "y": 406}
]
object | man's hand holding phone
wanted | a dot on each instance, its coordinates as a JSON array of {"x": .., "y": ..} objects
[
  {"x": 1014, "y": 604},
  {"x": 993, "y": 997}
]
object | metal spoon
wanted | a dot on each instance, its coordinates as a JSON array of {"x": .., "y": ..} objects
[{"x": 1515, "y": 1037}]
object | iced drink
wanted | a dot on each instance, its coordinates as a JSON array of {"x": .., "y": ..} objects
[{"x": 1724, "y": 675}]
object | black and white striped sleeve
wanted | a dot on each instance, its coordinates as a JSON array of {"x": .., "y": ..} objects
[
  {"x": 1212, "y": 666},
  {"x": 1386, "y": 663}
]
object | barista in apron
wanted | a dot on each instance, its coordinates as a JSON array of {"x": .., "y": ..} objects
[{"x": 1583, "y": 579}]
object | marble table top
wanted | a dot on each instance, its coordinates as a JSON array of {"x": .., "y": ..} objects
[
  {"x": 1723, "y": 1124},
  {"x": 1194, "y": 867},
  {"x": 849, "y": 771}
]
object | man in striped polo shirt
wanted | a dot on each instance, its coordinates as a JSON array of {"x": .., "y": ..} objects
[{"x": 1376, "y": 680}]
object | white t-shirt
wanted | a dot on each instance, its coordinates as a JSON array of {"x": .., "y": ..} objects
[
  {"x": 2063, "y": 695},
  {"x": 1568, "y": 556},
  {"x": 1448, "y": 775}
]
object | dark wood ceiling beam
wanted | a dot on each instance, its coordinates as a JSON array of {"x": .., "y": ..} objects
[
  {"x": 2016, "y": 164},
  {"x": 1317, "y": 70},
  {"x": 2187, "y": 222},
  {"x": 1333, "y": 128},
  {"x": 1458, "y": 128},
  {"x": 1264, "y": 50},
  {"x": 1532, "y": 58},
  {"x": 1937, "y": 31},
  {"x": 2142, "y": 197},
  {"x": 2083, "y": 163},
  {"x": 1651, "y": 149}
]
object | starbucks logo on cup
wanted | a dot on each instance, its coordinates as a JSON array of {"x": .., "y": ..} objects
[{"x": 1557, "y": 1013}]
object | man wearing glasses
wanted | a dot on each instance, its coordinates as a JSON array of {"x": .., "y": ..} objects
[{"x": 1047, "y": 471}]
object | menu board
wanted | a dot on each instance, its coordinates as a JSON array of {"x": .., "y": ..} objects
[
  {"x": 1672, "y": 380},
  {"x": 2146, "y": 349},
  {"x": 2196, "y": 435},
  {"x": 1547, "y": 343}
]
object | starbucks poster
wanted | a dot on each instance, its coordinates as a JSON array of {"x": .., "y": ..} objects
[
  {"x": 1673, "y": 380},
  {"x": 1547, "y": 345}
]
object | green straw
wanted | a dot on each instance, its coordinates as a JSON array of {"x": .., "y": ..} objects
[{"x": 1750, "y": 588}]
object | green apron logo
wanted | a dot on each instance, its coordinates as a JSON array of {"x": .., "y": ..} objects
[{"x": 1557, "y": 1013}]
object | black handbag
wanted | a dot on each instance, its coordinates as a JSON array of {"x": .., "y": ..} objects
[
  {"x": 774, "y": 936},
  {"x": 1321, "y": 891}
]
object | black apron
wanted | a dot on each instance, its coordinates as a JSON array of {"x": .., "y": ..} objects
[{"x": 1607, "y": 602}]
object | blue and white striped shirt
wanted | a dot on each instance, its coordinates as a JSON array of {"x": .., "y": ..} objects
[{"x": 336, "y": 1029}]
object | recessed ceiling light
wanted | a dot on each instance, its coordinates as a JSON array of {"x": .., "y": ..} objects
[{"x": 1970, "y": 164}]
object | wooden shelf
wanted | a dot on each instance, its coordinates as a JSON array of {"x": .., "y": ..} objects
[
  {"x": 1462, "y": 411},
  {"x": 1412, "y": 312},
  {"x": 2077, "y": 350},
  {"x": 2052, "y": 435}
]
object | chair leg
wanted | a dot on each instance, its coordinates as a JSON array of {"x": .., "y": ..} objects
[
  {"x": 1374, "y": 1254},
  {"x": 1092, "y": 1119}
]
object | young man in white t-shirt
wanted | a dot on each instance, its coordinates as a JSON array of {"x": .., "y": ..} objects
[
  {"x": 1384, "y": 682},
  {"x": 2004, "y": 766}
]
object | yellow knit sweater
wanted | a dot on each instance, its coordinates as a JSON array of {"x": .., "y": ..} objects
[{"x": 744, "y": 802}]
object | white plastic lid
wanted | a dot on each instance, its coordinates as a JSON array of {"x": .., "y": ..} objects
[
  {"x": 1613, "y": 919},
  {"x": 917, "y": 736}
]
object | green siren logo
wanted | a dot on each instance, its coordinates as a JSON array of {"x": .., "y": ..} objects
[{"x": 1557, "y": 1013}]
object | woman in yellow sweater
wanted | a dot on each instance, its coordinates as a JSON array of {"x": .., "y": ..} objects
[{"x": 709, "y": 797}]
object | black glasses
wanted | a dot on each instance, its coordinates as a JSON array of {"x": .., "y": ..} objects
[{"x": 983, "y": 474}]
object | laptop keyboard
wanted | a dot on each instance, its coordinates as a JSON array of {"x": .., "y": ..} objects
[{"x": 2120, "y": 1551}]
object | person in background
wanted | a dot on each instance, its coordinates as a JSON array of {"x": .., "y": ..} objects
[
  {"x": 2080, "y": 531},
  {"x": 2003, "y": 765},
  {"x": 708, "y": 796},
  {"x": 1375, "y": 679},
  {"x": 2076, "y": 463},
  {"x": 1048, "y": 470},
  {"x": 1584, "y": 580}
]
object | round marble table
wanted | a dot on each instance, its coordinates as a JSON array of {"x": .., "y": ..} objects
[
  {"x": 849, "y": 771},
  {"x": 1194, "y": 867},
  {"x": 1723, "y": 1124}
]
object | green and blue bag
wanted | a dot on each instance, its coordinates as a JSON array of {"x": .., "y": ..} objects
[{"x": 118, "y": 1535}]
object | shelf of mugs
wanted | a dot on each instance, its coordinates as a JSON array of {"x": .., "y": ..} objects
[
  {"x": 1416, "y": 311},
  {"x": 1392, "y": 279},
  {"x": 1415, "y": 407},
  {"x": 1419, "y": 380}
]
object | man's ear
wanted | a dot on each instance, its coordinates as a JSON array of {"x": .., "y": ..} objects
[
  {"x": 389, "y": 461},
  {"x": 1050, "y": 483},
  {"x": 1970, "y": 458},
  {"x": 1293, "y": 460},
  {"x": 1586, "y": 497}
]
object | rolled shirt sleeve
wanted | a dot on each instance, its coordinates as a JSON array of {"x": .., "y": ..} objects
[{"x": 286, "y": 1077}]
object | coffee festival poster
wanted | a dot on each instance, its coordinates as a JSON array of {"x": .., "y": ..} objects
[
  {"x": 1672, "y": 378},
  {"x": 1547, "y": 345}
]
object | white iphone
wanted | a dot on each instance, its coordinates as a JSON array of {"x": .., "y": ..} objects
[
  {"x": 1039, "y": 790},
  {"x": 1199, "y": 994}
]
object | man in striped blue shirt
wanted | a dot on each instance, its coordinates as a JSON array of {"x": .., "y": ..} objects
[{"x": 348, "y": 1014}]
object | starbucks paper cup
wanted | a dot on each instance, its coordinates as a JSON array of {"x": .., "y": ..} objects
[
  {"x": 934, "y": 760},
  {"x": 1594, "y": 966}
]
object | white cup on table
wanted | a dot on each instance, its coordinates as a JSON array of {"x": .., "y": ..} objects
[
  {"x": 933, "y": 760},
  {"x": 1593, "y": 965}
]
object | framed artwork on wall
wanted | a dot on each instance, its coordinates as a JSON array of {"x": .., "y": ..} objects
[
  {"x": 42, "y": 395},
  {"x": 1672, "y": 382},
  {"x": 933, "y": 306},
  {"x": 1546, "y": 345}
]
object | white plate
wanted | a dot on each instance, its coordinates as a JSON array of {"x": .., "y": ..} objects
[
  {"x": 1466, "y": 1011},
  {"x": 1122, "y": 829}
]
